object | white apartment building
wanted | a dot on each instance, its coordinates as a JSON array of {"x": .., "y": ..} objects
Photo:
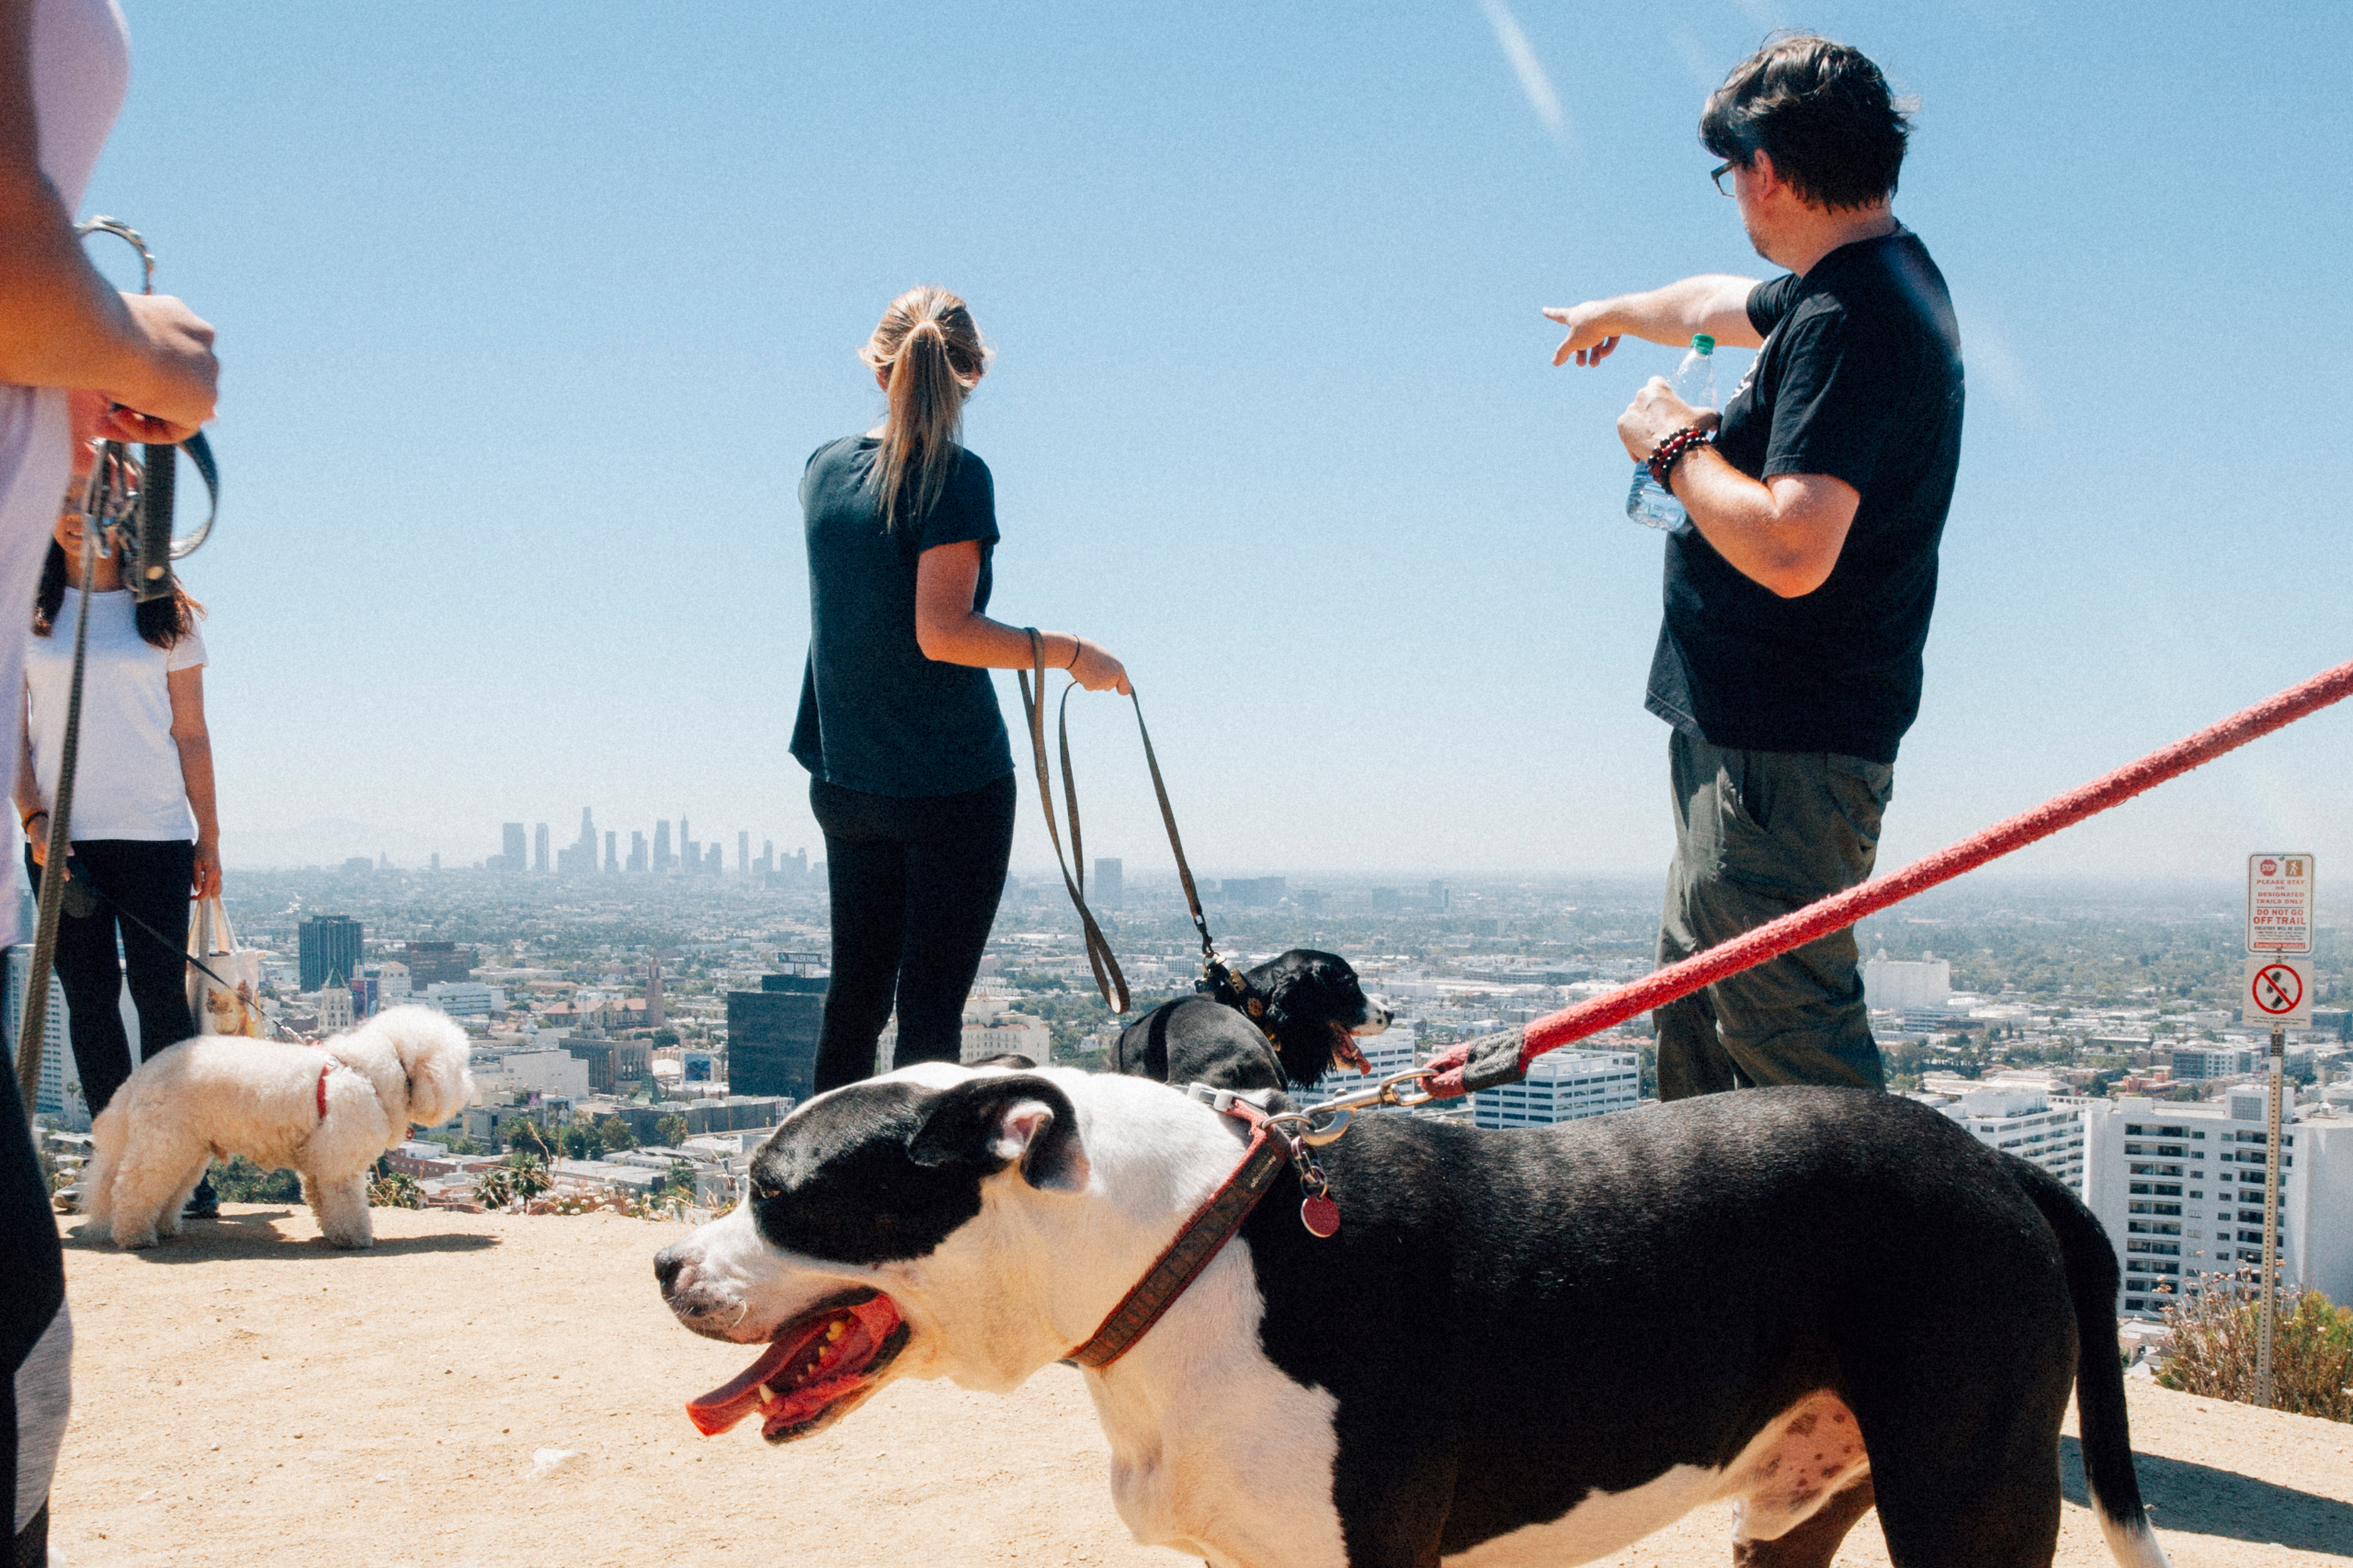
[
  {"x": 2178, "y": 1184},
  {"x": 2027, "y": 1122},
  {"x": 1562, "y": 1086},
  {"x": 464, "y": 998},
  {"x": 1896, "y": 985},
  {"x": 1015, "y": 1034},
  {"x": 549, "y": 1071}
]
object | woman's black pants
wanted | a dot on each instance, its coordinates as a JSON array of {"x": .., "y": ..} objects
[
  {"x": 148, "y": 880},
  {"x": 915, "y": 882}
]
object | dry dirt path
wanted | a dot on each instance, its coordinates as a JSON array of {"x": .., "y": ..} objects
[{"x": 246, "y": 1395}]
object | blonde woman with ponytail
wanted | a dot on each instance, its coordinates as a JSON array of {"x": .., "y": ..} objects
[{"x": 911, "y": 775}]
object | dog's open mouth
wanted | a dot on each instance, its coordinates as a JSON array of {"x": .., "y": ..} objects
[
  {"x": 1344, "y": 1050},
  {"x": 816, "y": 1370}
]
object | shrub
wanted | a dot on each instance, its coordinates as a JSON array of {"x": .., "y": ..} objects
[
  {"x": 239, "y": 1180},
  {"x": 395, "y": 1190},
  {"x": 2214, "y": 1344}
]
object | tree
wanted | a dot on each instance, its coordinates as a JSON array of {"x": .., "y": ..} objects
[
  {"x": 580, "y": 1142},
  {"x": 616, "y": 1135},
  {"x": 528, "y": 1175},
  {"x": 671, "y": 1129}
]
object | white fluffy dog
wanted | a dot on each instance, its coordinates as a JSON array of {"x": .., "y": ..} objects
[{"x": 327, "y": 1111}]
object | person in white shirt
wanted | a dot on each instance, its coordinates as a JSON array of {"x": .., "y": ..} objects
[{"x": 144, "y": 829}]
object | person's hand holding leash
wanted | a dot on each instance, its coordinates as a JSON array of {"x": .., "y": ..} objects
[
  {"x": 1093, "y": 667},
  {"x": 176, "y": 389}
]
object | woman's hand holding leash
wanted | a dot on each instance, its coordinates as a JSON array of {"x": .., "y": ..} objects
[{"x": 1093, "y": 667}]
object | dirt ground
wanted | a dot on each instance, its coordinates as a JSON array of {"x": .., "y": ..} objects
[{"x": 246, "y": 1394}]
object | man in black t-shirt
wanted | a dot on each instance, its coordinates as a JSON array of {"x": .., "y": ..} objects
[{"x": 1798, "y": 593}]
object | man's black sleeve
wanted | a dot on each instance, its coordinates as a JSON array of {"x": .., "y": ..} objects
[
  {"x": 1840, "y": 394},
  {"x": 1770, "y": 302}
]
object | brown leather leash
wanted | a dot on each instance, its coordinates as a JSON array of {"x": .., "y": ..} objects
[{"x": 1219, "y": 977}]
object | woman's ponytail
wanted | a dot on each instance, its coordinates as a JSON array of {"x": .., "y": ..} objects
[{"x": 931, "y": 354}]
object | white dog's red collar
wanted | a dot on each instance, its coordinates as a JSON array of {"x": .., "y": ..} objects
[
  {"x": 325, "y": 1067},
  {"x": 1199, "y": 1240}
]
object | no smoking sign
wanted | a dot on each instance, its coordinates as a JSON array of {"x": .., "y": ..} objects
[{"x": 2277, "y": 991}]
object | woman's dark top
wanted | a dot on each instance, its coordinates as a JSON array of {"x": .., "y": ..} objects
[{"x": 875, "y": 714}]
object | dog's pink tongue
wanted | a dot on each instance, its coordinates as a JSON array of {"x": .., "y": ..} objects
[{"x": 787, "y": 1362}]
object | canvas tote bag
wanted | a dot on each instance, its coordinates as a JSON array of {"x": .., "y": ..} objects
[{"x": 230, "y": 1008}]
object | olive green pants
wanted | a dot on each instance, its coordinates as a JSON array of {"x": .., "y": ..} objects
[{"x": 1758, "y": 833}]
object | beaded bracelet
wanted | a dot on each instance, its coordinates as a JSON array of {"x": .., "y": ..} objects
[{"x": 1663, "y": 460}]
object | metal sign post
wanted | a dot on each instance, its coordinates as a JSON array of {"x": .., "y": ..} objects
[
  {"x": 2280, "y": 887},
  {"x": 2276, "y": 1057}
]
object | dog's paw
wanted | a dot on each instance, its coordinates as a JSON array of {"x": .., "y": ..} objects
[
  {"x": 349, "y": 1240},
  {"x": 135, "y": 1241}
]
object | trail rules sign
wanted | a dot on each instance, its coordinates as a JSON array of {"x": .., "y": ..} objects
[
  {"x": 2279, "y": 903},
  {"x": 2276, "y": 991}
]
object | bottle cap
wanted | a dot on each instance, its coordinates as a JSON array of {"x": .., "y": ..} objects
[{"x": 1703, "y": 343}]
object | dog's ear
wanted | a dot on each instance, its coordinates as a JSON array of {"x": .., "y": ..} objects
[{"x": 992, "y": 1121}]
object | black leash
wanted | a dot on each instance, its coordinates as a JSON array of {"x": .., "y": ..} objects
[{"x": 1218, "y": 977}]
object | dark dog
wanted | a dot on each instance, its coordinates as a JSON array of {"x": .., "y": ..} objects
[
  {"x": 1299, "y": 1019},
  {"x": 1520, "y": 1347}
]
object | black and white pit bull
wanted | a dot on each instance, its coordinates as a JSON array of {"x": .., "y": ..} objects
[
  {"x": 1310, "y": 1011},
  {"x": 1520, "y": 1347}
]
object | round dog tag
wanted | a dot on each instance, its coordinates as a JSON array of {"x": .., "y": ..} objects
[{"x": 1319, "y": 1215}]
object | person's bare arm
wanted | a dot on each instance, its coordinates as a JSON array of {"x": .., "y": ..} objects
[
  {"x": 195, "y": 742},
  {"x": 1715, "y": 303},
  {"x": 1783, "y": 533},
  {"x": 949, "y": 631},
  {"x": 61, "y": 323}
]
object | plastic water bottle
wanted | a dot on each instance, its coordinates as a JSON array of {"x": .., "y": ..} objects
[{"x": 1650, "y": 503}]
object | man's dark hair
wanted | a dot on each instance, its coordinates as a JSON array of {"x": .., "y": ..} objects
[{"x": 1819, "y": 110}]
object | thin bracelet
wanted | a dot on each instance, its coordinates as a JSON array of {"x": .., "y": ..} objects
[
  {"x": 36, "y": 812},
  {"x": 1074, "y": 650}
]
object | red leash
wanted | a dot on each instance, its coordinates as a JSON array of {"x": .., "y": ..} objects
[{"x": 1483, "y": 1064}]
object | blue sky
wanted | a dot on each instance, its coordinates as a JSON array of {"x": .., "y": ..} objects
[{"x": 532, "y": 312}]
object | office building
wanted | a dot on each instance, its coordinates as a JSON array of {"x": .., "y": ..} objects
[
  {"x": 338, "y": 1006},
  {"x": 1252, "y": 891},
  {"x": 540, "y": 848},
  {"x": 661, "y": 847},
  {"x": 772, "y": 1036},
  {"x": 637, "y": 861},
  {"x": 429, "y": 962},
  {"x": 2202, "y": 1062},
  {"x": 394, "y": 982},
  {"x": 59, "y": 1093},
  {"x": 1898, "y": 985},
  {"x": 743, "y": 853},
  {"x": 1562, "y": 1086},
  {"x": 2178, "y": 1185},
  {"x": 327, "y": 945},
  {"x": 1110, "y": 889},
  {"x": 613, "y": 856},
  {"x": 512, "y": 855},
  {"x": 654, "y": 1014}
]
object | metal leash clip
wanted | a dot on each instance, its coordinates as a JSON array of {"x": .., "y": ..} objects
[{"x": 144, "y": 528}]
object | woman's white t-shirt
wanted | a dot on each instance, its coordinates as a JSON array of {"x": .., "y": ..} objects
[{"x": 126, "y": 781}]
